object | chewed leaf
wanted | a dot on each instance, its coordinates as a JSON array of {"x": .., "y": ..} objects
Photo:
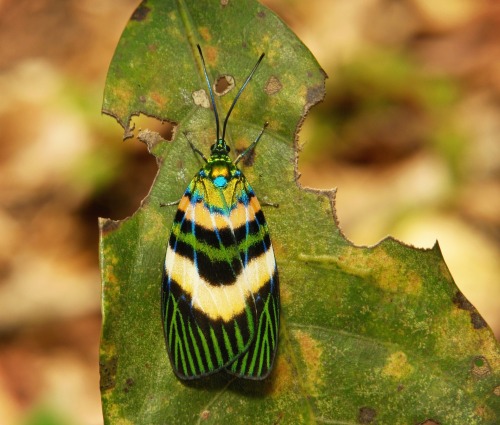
[
  {"x": 156, "y": 69},
  {"x": 367, "y": 335}
]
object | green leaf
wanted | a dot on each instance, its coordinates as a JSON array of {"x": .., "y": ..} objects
[{"x": 368, "y": 335}]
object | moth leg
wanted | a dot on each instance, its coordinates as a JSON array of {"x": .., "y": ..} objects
[
  {"x": 252, "y": 145},
  {"x": 195, "y": 149},
  {"x": 169, "y": 204},
  {"x": 269, "y": 204}
]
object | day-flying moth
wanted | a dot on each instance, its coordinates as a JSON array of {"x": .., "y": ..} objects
[{"x": 220, "y": 294}]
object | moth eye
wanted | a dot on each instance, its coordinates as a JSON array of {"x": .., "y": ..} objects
[{"x": 228, "y": 149}]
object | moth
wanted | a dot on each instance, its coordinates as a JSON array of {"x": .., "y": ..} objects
[{"x": 220, "y": 292}]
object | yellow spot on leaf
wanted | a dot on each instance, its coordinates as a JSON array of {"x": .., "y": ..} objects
[
  {"x": 311, "y": 353},
  {"x": 486, "y": 413},
  {"x": 397, "y": 366},
  {"x": 387, "y": 272},
  {"x": 205, "y": 33},
  {"x": 211, "y": 54},
  {"x": 284, "y": 378},
  {"x": 159, "y": 99}
]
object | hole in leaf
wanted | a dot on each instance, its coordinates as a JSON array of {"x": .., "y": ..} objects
[
  {"x": 168, "y": 131},
  {"x": 224, "y": 84}
]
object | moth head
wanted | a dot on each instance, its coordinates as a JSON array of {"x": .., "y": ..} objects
[{"x": 220, "y": 148}]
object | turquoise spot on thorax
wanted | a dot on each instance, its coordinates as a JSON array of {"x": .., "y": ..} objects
[{"x": 220, "y": 181}]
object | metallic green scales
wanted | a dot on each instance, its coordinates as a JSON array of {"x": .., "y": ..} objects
[{"x": 220, "y": 291}]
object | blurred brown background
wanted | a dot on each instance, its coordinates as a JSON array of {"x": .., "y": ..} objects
[{"x": 408, "y": 133}]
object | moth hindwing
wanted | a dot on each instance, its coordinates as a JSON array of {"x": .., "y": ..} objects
[{"x": 220, "y": 293}]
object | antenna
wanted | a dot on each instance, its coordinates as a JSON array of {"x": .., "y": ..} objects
[
  {"x": 237, "y": 95},
  {"x": 212, "y": 95}
]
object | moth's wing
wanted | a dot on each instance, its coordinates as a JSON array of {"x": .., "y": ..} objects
[
  {"x": 260, "y": 266},
  {"x": 208, "y": 318}
]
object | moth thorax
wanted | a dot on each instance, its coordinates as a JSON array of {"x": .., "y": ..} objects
[{"x": 220, "y": 175}]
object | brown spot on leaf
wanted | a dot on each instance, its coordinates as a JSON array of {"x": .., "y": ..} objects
[
  {"x": 464, "y": 304},
  {"x": 107, "y": 369},
  {"x": 366, "y": 415},
  {"x": 429, "y": 422},
  {"x": 273, "y": 85},
  {"x": 261, "y": 14},
  {"x": 224, "y": 3},
  {"x": 496, "y": 391},
  {"x": 107, "y": 225},
  {"x": 315, "y": 94},
  {"x": 205, "y": 415},
  {"x": 129, "y": 383},
  {"x": 141, "y": 12},
  {"x": 477, "y": 321},
  {"x": 249, "y": 159}
]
